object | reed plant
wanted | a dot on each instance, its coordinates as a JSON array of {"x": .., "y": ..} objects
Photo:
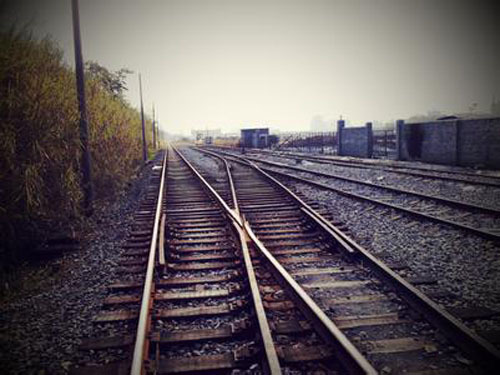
[{"x": 39, "y": 139}]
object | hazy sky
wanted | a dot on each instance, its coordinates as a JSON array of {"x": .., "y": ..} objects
[{"x": 227, "y": 64}]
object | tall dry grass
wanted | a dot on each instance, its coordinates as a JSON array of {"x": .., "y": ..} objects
[{"x": 39, "y": 139}]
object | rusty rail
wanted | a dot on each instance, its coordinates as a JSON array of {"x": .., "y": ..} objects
[
  {"x": 478, "y": 231},
  {"x": 141, "y": 345},
  {"x": 414, "y": 170},
  {"x": 456, "y": 331},
  {"x": 353, "y": 361},
  {"x": 271, "y": 358}
]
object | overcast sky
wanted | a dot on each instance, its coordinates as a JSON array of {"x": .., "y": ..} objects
[{"x": 226, "y": 64}]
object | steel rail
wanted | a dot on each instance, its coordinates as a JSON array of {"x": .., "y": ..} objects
[
  {"x": 231, "y": 185},
  {"x": 140, "y": 346},
  {"x": 422, "y": 172},
  {"x": 353, "y": 361},
  {"x": 232, "y": 213},
  {"x": 389, "y": 188},
  {"x": 230, "y": 181},
  {"x": 161, "y": 245},
  {"x": 481, "y": 232},
  {"x": 351, "y": 358},
  {"x": 229, "y": 177},
  {"x": 455, "y": 202},
  {"x": 272, "y": 362},
  {"x": 451, "y": 327},
  {"x": 271, "y": 358},
  {"x": 335, "y": 232},
  {"x": 477, "y": 231}
]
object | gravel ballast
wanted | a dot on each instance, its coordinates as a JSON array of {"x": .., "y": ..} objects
[
  {"x": 464, "y": 264},
  {"x": 465, "y": 216},
  {"x": 488, "y": 196},
  {"x": 40, "y": 329}
]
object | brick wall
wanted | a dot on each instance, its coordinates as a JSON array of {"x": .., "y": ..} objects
[
  {"x": 474, "y": 142},
  {"x": 479, "y": 143},
  {"x": 356, "y": 141}
]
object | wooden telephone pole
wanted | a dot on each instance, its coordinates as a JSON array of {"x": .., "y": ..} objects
[
  {"x": 157, "y": 129},
  {"x": 85, "y": 162},
  {"x": 144, "y": 145},
  {"x": 154, "y": 128}
]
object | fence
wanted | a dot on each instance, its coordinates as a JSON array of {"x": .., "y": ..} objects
[
  {"x": 384, "y": 144},
  {"x": 314, "y": 142}
]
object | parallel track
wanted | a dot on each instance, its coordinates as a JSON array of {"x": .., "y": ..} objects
[
  {"x": 257, "y": 280},
  {"x": 417, "y": 171},
  {"x": 480, "y": 220},
  {"x": 116, "y": 325},
  {"x": 213, "y": 300},
  {"x": 305, "y": 339},
  {"x": 333, "y": 269},
  {"x": 206, "y": 307}
]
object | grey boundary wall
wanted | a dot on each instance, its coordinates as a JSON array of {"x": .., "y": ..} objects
[
  {"x": 355, "y": 141},
  {"x": 467, "y": 143}
]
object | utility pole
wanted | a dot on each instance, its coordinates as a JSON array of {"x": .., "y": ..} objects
[
  {"x": 158, "y": 135},
  {"x": 153, "y": 128},
  {"x": 144, "y": 145},
  {"x": 85, "y": 163}
]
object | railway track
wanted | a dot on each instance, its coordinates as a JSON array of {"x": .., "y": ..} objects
[
  {"x": 109, "y": 349},
  {"x": 244, "y": 278},
  {"x": 475, "y": 178},
  {"x": 212, "y": 301},
  {"x": 477, "y": 219},
  {"x": 349, "y": 284},
  {"x": 300, "y": 345}
]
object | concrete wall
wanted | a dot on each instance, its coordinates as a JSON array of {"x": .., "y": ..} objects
[
  {"x": 479, "y": 143},
  {"x": 474, "y": 142},
  {"x": 356, "y": 141}
]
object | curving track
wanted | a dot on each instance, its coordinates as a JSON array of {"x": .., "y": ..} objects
[
  {"x": 213, "y": 300},
  {"x": 237, "y": 275},
  {"x": 339, "y": 280},
  {"x": 478, "y": 219}
]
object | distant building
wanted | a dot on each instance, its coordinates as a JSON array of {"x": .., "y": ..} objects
[
  {"x": 205, "y": 136},
  {"x": 255, "y": 138}
]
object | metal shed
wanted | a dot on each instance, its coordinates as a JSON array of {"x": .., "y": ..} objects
[{"x": 255, "y": 138}]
